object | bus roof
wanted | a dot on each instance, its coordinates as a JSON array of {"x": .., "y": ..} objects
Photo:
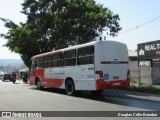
[{"x": 72, "y": 47}]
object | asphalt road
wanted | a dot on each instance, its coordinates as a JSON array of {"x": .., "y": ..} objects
[{"x": 23, "y": 97}]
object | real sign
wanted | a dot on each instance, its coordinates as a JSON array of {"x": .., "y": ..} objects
[{"x": 149, "y": 50}]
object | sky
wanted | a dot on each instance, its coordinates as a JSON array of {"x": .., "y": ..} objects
[{"x": 140, "y": 21}]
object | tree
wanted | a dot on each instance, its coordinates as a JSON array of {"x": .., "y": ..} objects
[{"x": 55, "y": 24}]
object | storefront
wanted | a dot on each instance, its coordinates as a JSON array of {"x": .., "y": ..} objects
[{"x": 149, "y": 62}]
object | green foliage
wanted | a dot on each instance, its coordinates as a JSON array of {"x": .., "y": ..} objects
[
  {"x": 58, "y": 24},
  {"x": 145, "y": 88}
]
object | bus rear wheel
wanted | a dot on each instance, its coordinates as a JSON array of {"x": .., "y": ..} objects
[{"x": 70, "y": 88}]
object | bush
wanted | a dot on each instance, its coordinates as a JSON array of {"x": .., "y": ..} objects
[{"x": 144, "y": 88}]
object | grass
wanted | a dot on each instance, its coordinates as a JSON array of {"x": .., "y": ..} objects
[{"x": 144, "y": 88}]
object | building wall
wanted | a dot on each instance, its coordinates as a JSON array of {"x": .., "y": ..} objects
[
  {"x": 145, "y": 75},
  {"x": 134, "y": 71},
  {"x": 156, "y": 74}
]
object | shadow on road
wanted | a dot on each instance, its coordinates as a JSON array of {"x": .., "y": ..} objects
[
  {"x": 132, "y": 99},
  {"x": 124, "y": 98},
  {"x": 11, "y": 81},
  {"x": 51, "y": 90},
  {"x": 6, "y": 81}
]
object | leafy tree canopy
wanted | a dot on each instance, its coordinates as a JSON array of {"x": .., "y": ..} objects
[{"x": 55, "y": 24}]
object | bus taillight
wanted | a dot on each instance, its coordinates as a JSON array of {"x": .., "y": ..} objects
[{"x": 100, "y": 73}]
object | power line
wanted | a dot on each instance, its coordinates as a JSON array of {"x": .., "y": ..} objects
[{"x": 141, "y": 25}]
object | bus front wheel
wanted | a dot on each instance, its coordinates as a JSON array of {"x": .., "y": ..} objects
[
  {"x": 70, "y": 88},
  {"x": 38, "y": 84}
]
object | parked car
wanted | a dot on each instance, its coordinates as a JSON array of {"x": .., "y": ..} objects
[{"x": 5, "y": 77}]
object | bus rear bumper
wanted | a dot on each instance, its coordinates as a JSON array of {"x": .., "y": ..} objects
[{"x": 101, "y": 84}]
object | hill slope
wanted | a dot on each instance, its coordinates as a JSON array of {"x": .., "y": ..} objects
[{"x": 11, "y": 62}]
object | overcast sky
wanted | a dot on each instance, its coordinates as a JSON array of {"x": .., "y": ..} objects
[{"x": 140, "y": 20}]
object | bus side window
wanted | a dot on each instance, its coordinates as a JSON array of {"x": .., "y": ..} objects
[
  {"x": 70, "y": 58},
  {"x": 57, "y": 59},
  {"x": 32, "y": 65},
  {"x": 47, "y": 61},
  {"x": 39, "y": 62},
  {"x": 86, "y": 55}
]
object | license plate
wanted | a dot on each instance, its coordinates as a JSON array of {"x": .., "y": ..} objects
[{"x": 115, "y": 84}]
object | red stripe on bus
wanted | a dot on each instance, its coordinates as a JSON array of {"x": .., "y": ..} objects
[
  {"x": 114, "y": 62},
  {"x": 53, "y": 82},
  {"x": 101, "y": 84}
]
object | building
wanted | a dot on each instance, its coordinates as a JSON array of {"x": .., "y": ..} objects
[
  {"x": 133, "y": 66},
  {"x": 149, "y": 62}
]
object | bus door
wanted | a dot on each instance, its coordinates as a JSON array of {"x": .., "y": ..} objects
[{"x": 32, "y": 73}]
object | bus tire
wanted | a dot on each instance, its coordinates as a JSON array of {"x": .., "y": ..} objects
[
  {"x": 38, "y": 84},
  {"x": 70, "y": 88}
]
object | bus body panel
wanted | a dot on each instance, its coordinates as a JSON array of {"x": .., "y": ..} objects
[
  {"x": 53, "y": 77},
  {"x": 112, "y": 60},
  {"x": 37, "y": 73},
  {"x": 83, "y": 77},
  {"x": 110, "y": 69}
]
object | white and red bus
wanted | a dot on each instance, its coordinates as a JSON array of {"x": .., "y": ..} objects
[{"x": 93, "y": 66}]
